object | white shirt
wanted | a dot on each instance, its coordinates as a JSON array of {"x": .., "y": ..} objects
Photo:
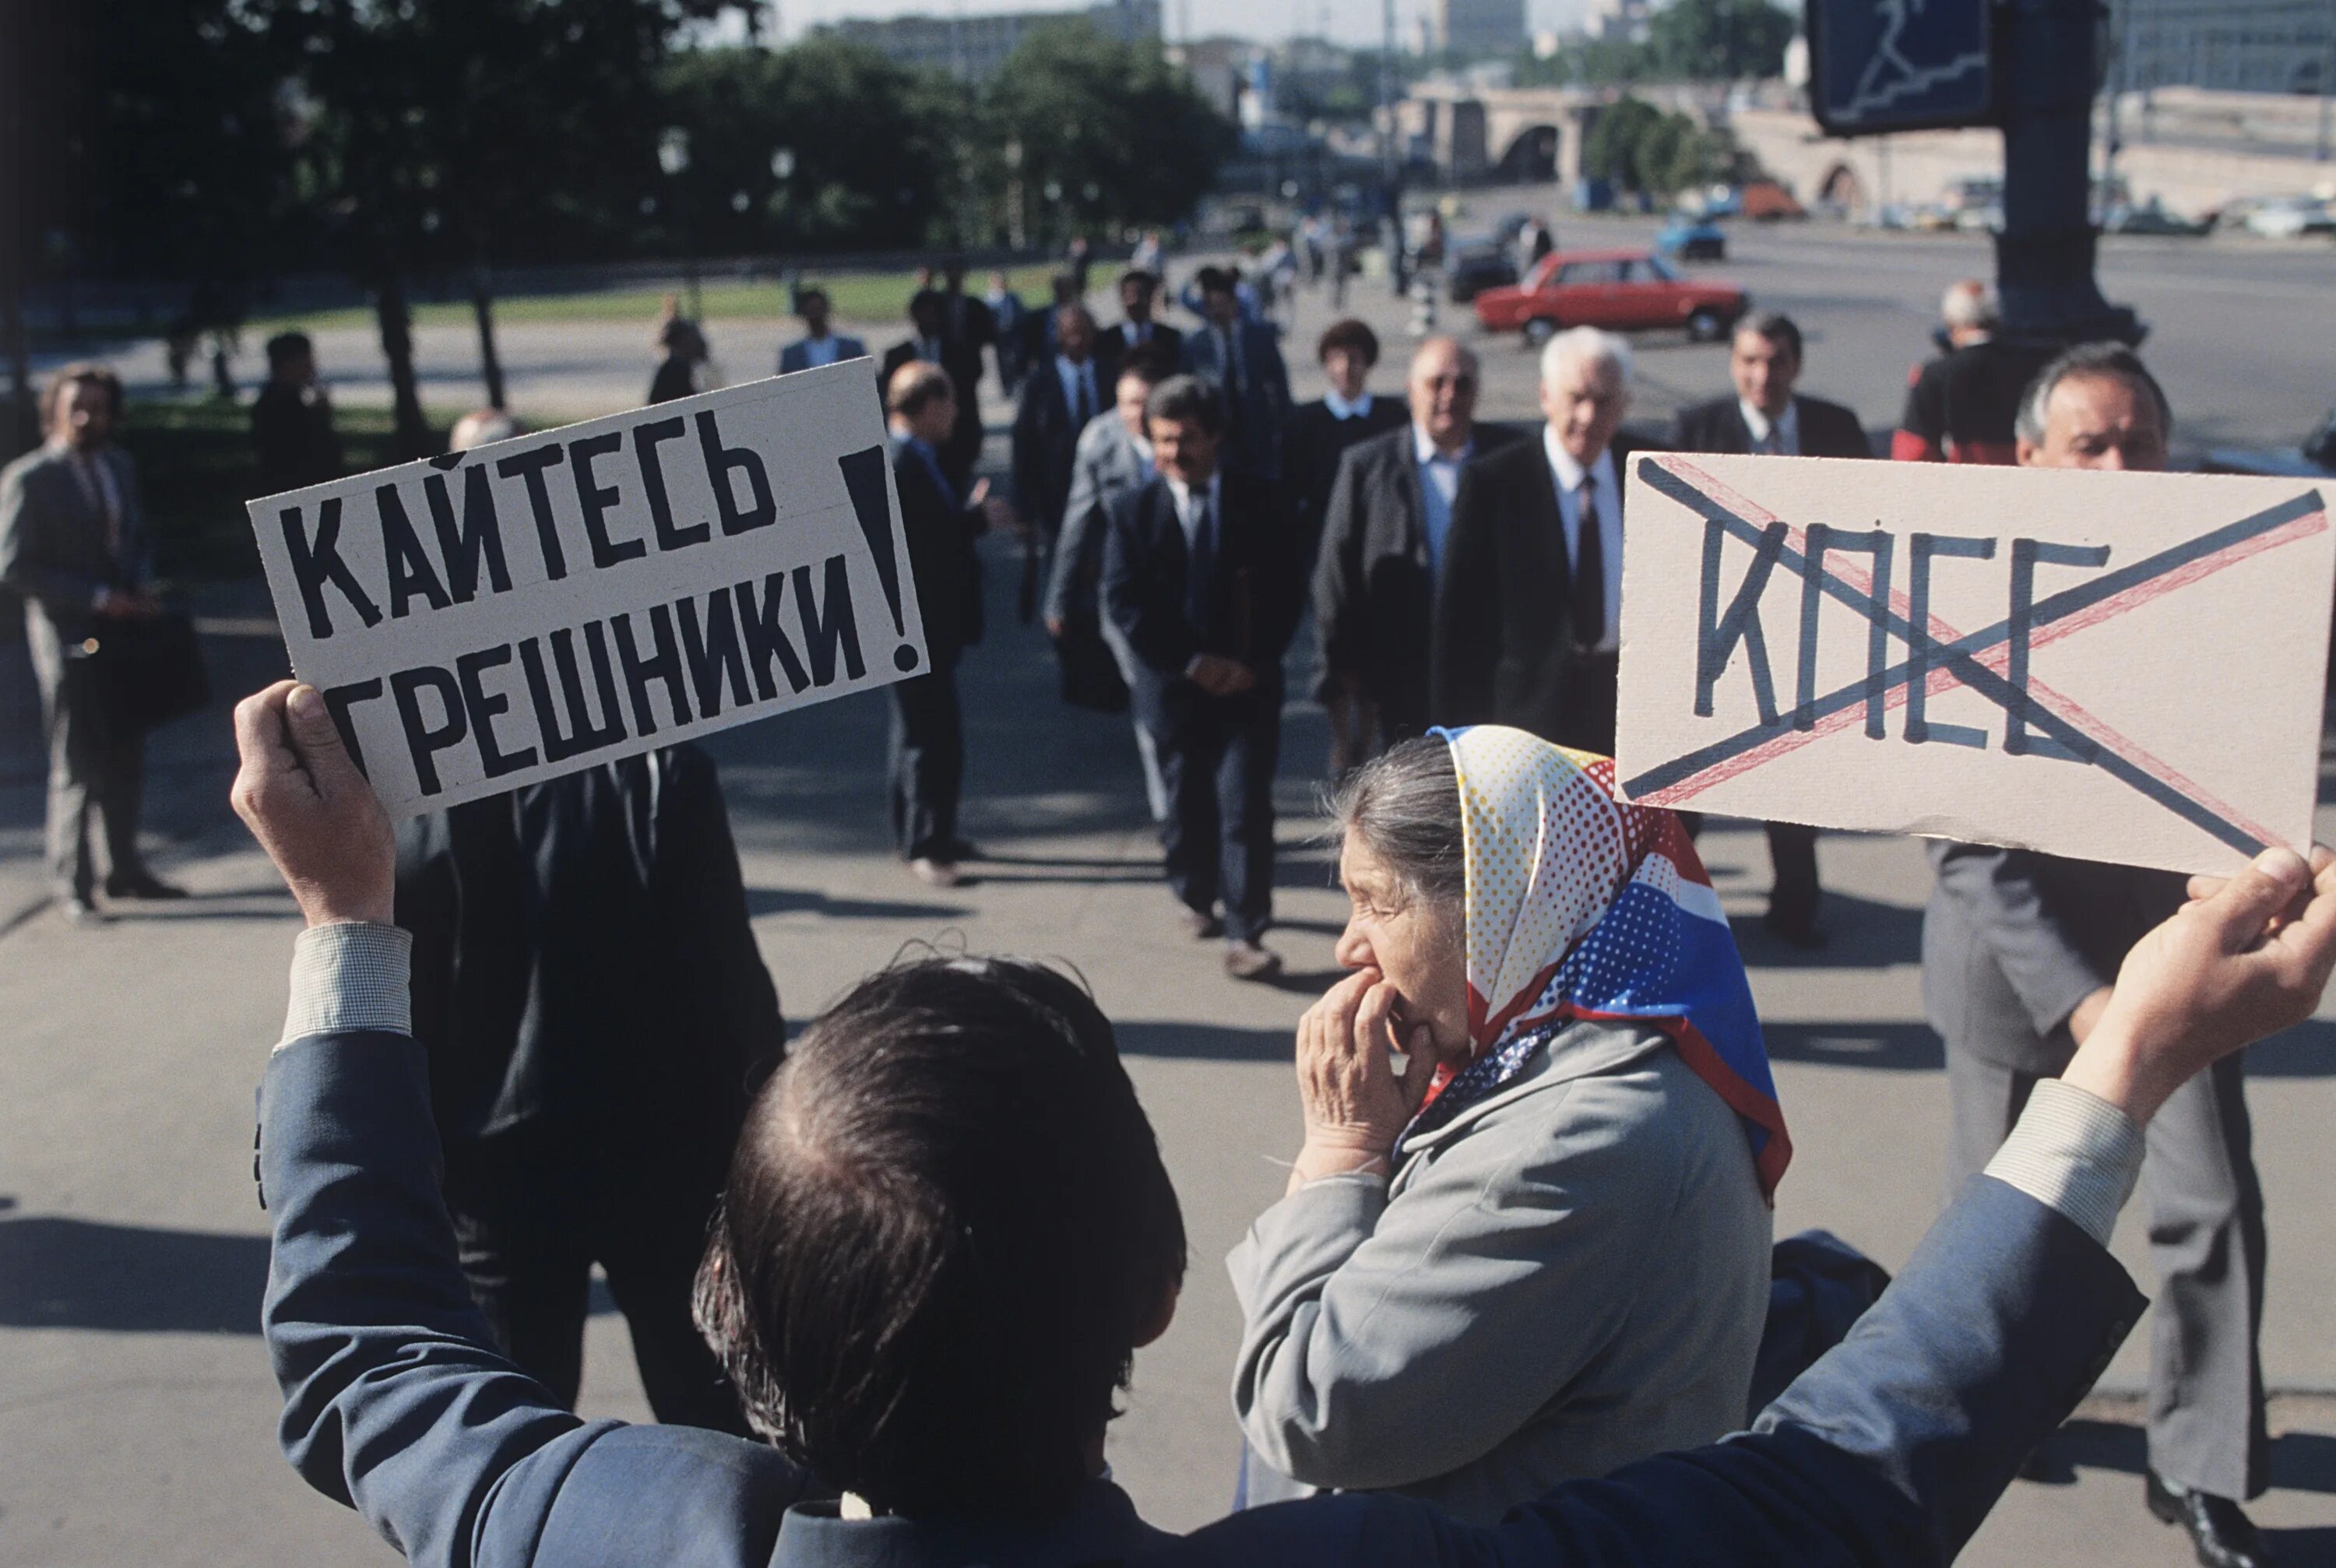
[
  {"x": 1341, "y": 409},
  {"x": 1182, "y": 494},
  {"x": 1607, "y": 494},
  {"x": 1073, "y": 376},
  {"x": 1787, "y": 426},
  {"x": 1439, "y": 481},
  {"x": 819, "y": 351}
]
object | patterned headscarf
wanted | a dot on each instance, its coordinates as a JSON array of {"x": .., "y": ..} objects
[{"x": 1580, "y": 906}]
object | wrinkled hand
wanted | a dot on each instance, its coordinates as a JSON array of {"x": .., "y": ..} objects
[
  {"x": 2245, "y": 959},
  {"x": 1355, "y": 1106},
  {"x": 301, "y": 794},
  {"x": 1221, "y": 676}
]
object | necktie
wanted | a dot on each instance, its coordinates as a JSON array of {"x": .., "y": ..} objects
[
  {"x": 1589, "y": 572},
  {"x": 1202, "y": 564},
  {"x": 1085, "y": 409},
  {"x": 1229, "y": 356},
  {"x": 97, "y": 489}
]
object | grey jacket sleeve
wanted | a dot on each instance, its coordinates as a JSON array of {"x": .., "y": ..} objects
[
  {"x": 1078, "y": 517},
  {"x": 28, "y": 561},
  {"x": 1339, "y": 617},
  {"x": 1385, "y": 1342},
  {"x": 1997, "y": 889}
]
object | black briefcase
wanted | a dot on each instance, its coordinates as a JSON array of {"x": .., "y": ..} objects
[
  {"x": 149, "y": 669},
  {"x": 1091, "y": 677}
]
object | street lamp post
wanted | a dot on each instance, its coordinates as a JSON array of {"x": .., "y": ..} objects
[{"x": 673, "y": 157}]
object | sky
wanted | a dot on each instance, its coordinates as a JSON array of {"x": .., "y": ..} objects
[{"x": 1348, "y": 21}]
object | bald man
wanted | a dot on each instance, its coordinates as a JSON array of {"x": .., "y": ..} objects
[{"x": 1385, "y": 524}]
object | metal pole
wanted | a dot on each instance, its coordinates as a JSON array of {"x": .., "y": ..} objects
[
  {"x": 2044, "y": 255},
  {"x": 2327, "y": 76},
  {"x": 1390, "y": 148}
]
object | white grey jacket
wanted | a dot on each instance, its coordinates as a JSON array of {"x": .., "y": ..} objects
[{"x": 1570, "y": 1276}]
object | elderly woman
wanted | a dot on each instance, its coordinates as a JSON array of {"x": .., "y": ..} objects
[{"x": 1541, "y": 1253}]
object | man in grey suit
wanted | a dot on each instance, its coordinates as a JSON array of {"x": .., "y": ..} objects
[
  {"x": 1243, "y": 358},
  {"x": 1389, "y": 511},
  {"x": 821, "y": 343},
  {"x": 1114, "y": 458},
  {"x": 2018, "y": 951},
  {"x": 72, "y": 542}
]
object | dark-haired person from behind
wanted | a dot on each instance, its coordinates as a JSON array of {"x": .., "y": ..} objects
[
  {"x": 1768, "y": 416},
  {"x": 993, "y": 1237},
  {"x": 292, "y": 420}
]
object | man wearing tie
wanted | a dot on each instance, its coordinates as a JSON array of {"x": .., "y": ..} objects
[
  {"x": 1388, "y": 520},
  {"x": 1768, "y": 417},
  {"x": 820, "y": 344},
  {"x": 1530, "y": 596},
  {"x": 1138, "y": 289},
  {"x": 1057, "y": 401},
  {"x": 72, "y": 544},
  {"x": 1243, "y": 358},
  {"x": 1198, "y": 577}
]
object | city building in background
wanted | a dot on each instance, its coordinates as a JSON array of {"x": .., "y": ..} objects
[
  {"x": 1476, "y": 26},
  {"x": 2225, "y": 46},
  {"x": 1623, "y": 21},
  {"x": 971, "y": 48}
]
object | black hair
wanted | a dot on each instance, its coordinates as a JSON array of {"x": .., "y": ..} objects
[
  {"x": 1775, "y": 327},
  {"x": 946, "y": 1226},
  {"x": 1354, "y": 336},
  {"x": 286, "y": 346},
  {"x": 1187, "y": 397}
]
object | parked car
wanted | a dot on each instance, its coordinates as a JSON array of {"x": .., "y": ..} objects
[
  {"x": 2291, "y": 217},
  {"x": 1693, "y": 240},
  {"x": 1764, "y": 202},
  {"x": 1622, "y": 291},
  {"x": 2150, "y": 218},
  {"x": 1477, "y": 262}
]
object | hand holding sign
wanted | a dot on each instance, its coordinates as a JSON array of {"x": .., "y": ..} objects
[
  {"x": 505, "y": 615},
  {"x": 2114, "y": 667},
  {"x": 310, "y": 809}
]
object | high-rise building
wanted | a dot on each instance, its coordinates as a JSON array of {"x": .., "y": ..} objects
[
  {"x": 1477, "y": 27},
  {"x": 972, "y": 48}
]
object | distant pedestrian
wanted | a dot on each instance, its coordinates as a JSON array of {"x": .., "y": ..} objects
[
  {"x": 1199, "y": 578},
  {"x": 1078, "y": 259},
  {"x": 1387, "y": 519},
  {"x": 966, "y": 329},
  {"x": 680, "y": 370},
  {"x": 481, "y": 427},
  {"x": 1012, "y": 317},
  {"x": 1061, "y": 395},
  {"x": 292, "y": 420},
  {"x": 1319, "y": 432},
  {"x": 1768, "y": 416},
  {"x": 1960, "y": 406},
  {"x": 941, "y": 522},
  {"x": 1139, "y": 295},
  {"x": 1243, "y": 358},
  {"x": 821, "y": 343},
  {"x": 1148, "y": 255},
  {"x": 72, "y": 544}
]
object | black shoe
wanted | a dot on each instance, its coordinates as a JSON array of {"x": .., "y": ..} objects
[
  {"x": 143, "y": 885},
  {"x": 2223, "y": 1535},
  {"x": 77, "y": 911},
  {"x": 964, "y": 849}
]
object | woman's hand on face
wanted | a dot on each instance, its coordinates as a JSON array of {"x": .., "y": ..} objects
[{"x": 1354, "y": 1105}]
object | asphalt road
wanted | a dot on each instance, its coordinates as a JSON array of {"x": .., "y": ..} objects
[{"x": 136, "y": 1411}]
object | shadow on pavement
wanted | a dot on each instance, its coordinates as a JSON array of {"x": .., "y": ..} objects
[
  {"x": 1895, "y": 1047},
  {"x": 2300, "y": 1462},
  {"x": 1861, "y": 933},
  {"x": 804, "y": 901},
  {"x": 63, "y": 1274},
  {"x": 1203, "y": 1042}
]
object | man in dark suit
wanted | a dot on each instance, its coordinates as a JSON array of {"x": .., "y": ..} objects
[
  {"x": 1243, "y": 358},
  {"x": 821, "y": 343},
  {"x": 928, "y": 343},
  {"x": 1321, "y": 432},
  {"x": 2018, "y": 951},
  {"x": 1529, "y": 601},
  {"x": 1139, "y": 291},
  {"x": 928, "y": 732},
  {"x": 966, "y": 328},
  {"x": 1011, "y": 318},
  {"x": 1766, "y": 415},
  {"x": 1389, "y": 516},
  {"x": 1059, "y": 397},
  {"x": 1199, "y": 578},
  {"x": 73, "y": 543},
  {"x": 923, "y": 1092},
  {"x": 292, "y": 420}
]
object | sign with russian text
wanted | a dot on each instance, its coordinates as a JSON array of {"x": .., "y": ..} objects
[
  {"x": 2112, "y": 667},
  {"x": 501, "y": 615}
]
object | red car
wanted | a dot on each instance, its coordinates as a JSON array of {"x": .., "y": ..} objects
[{"x": 1620, "y": 290}]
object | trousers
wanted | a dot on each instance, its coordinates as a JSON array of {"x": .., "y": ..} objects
[
  {"x": 97, "y": 767},
  {"x": 928, "y": 763},
  {"x": 1217, "y": 758}
]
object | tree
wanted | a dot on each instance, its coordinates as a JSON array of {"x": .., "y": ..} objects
[
  {"x": 1082, "y": 131},
  {"x": 1611, "y": 151},
  {"x": 1718, "y": 40}
]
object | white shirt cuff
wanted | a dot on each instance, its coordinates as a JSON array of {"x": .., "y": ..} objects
[
  {"x": 347, "y": 976},
  {"x": 2074, "y": 1152}
]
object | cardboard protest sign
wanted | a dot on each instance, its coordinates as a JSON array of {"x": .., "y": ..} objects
[
  {"x": 2114, "y": 667},
  {"x": 497, "y": 617}
]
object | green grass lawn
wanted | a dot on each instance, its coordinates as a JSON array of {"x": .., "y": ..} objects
[
  {"x": 196, "y": 470},
  {"x": 857, "y": 297}
]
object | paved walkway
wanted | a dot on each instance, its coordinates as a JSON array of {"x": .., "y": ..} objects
[{"x": 136, "y": 1413}]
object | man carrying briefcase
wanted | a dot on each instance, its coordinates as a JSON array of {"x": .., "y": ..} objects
[{"x": 71, "y": 543}]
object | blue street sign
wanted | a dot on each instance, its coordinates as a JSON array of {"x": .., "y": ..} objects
[{"x": 1878, "y": 65}]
